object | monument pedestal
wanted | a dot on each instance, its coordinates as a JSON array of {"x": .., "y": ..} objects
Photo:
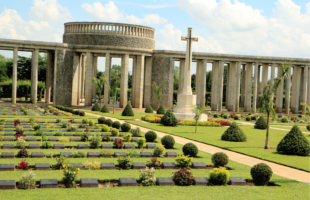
[{"x": 183, "y": 111}]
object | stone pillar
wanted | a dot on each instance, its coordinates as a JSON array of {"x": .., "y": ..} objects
[
  {"x": 273, "y": 66},
  {"x": 124, "y": 81},
  {"x": 220, "y": 86},
  {"x": 139, "y": 79},
  {"x": 147, "y": 93},
  {"x": 55, "y": 77},
  {"x": 14, "y": 77},
  {"x": 227, "y": 99},
  {"x": 107, "y": 71},
  {"x": 201, "y": 83},
  {"x": 75, "y": 79},
  {"x": 264, "y": 78},
  {"x": 258, "y": 84},
  {"x": 288, "y": 91},
  {"x": 232, "y": 86},
  {"x": 134, "y": 66},
  {"x": 82, "y": 76},
  {"x": 255, "y": 87},
  {"x": 214, "y": 87},
  {"x": 308, "y": 87},
  {"x": 94, "y": 76},
  {"x": 304, "y": 88},
  {"x": 198, "y": 82},
  {"x": 88, "y": 79},
  {"x": 237, "y": 96},
  {"x": 181, "y": 75},
  {"x": 48, "y": 85},
  {"x": 248, "y": 87},
  {"x": 279, "y": 104},
  {"x": 171, "y": 83},
  {"x": 243, "y": 85},
  {"x": 34, "y": 78},
  {"x": 295, "y": 89}
]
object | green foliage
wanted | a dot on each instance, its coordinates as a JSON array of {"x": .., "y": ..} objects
[
  {"x": 128, "y": 111},
  {"x": 109, "y": 122},
  {"x": 21, "y": 143},
  {"x": 198, "y": 111},
  {"x": 147, "y": 177},
  {"x": 114, "y": 132},
  {"x": 150, "y": 136},
  {"x": 124, "y": 162},
  {"x": 27, "y": 180},
  {"x": 100, "y": 83},
  {"x": 236, "y": 117},
  {"x": 23, "y": 153},
  {"x": 127, "y": 138},
  {"x": 84, "y": 137},
  {"x": 183, "y": 177},
  {"x": 125, "y": 127},
  {"x": 234, "y": 134},
  {"x": 92, "y": 165},
  {"x": 105, "y": 109},
  {"x": 116, "y": 124},
  {"x": 261, "y": 174},
  {"x": 154, "y": 163},
  {"x": 190, "y": 149},
  {"x": 261, "y": 123},
  {"x": 161, "y": 110},
  {"x": 219, "y": 176},
  {"x": 46, "y": 145},
  {"x": 70, "y": 175},
  {"x": 101, "y": 120},
  {"x": 184, "y": 161},
  {"x": 96, "y": 107},
  {"x": 149, "y": 109},
  {"x": 140, "y": 142},
  {"x": 136, "y": 132},
  {"x": 168, "y": 141},
  {"x": 308, "y": 127},
  {"x": 284, "y": 120},
  {"x": 220, "y": 159},
  {"x": 59, "y": 134},
  {"x": 79, "y": 154},
  {"x": 94, "y": 141},
  {"x": 294, "y": 143},
  {"x": 105, "y": 128},
  {"x": 169, "y": 119},
  {"x": 159, "y": 151},
  {"x": 158, "y": 91}
]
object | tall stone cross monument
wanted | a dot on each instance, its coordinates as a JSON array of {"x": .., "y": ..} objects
[{"x": 186, "y": 99}]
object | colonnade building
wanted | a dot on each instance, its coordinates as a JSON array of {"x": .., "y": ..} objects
[{"x": 71, "y": 65}]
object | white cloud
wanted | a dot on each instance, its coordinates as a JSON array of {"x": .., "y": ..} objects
[
  {"x": 12, "y": 26},
  {"x": 110, "y": 13},
  {"x": 50, "y": 10}
]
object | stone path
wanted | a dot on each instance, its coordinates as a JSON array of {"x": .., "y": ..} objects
[{"x": 277, "y": 169}]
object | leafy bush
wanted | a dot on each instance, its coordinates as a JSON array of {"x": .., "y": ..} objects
[
  {"x": 101, "y": 120},
  {"x": 136, "y": 132},
  {"x": 70, "y": 175},
  {"x": 61, "y": 161},
  {"x": 116, "y": 125},
  {"x": 1, "y": 138},
  {"x": 140, "y": 142},
  {"x": 82, "y": 113},
  {"x": 161, "y": 110},
  {"x": 97, "y": 126},
  {"x": 105, "y": 109},
  {"x": 23, "y": 153},
  {"x": 284, "y": 120},
  {"x": 150, "y": 136},
  {"x": 134, "y": 153},
  {"x": 219, "y": 176},
  {"x": 261, "y": 174},
  {"x": 190, "y": 149},
  {"x": 148, "y": 177},
  {"x": 106, "y": 153},
  {"x": 234, "y": 134},
  {"x": 184, "y": 161},
  {"x": 127, "y": 138},
  {"x": 236, "y": 117},
  {"x": 253, "y": 118},
  {"x": 215, "y": 115},
  {"x": 128, "y": 111},
  {"x": 308, "y": 127},
  {"x": 39, "y": 132},
  {"x": 46, "y": 145},
  {"x": 220, "y": 159},
  {"x": 71, "y": 128},
  {"x": 114, "y": 132},
  {"x": 21, "y": 143},
  {"x": 183, "y": 177},
  {"x": 91, "y": 122},
  {"x": 168, "y": 141},
  {"x": 118, "y": 143},
  {"x": 28, "y": 180},
  {"x": 59, "y": 134},
  {"x": 154, "y": 163},
  {"x": 294, "y": 143},
  {"x": 106, "y": 138},
  {"x": 124, "y": 162},
  {"x": 50, "y": 154},
  {"x": 79, "y": 154},
  {"x": 169, "y": 119},
  {"x": 96, "y": 107},
  {"x": 125, "y": 127},
  {"x": 84, "y": 137},
  {"x": 23, "y": 165},
  {"x": 85, "y": 121},
  {"x": 92, "y": 165},
  {"x": 94, "y": 142},
  {"x": 261, "y": 123},
  {"x": 159, "y": 151},
  {"x": 108, "y": 122},
  {"x": 36, "y": 127},
  {"x": 247, "y": 118},
  {"x": 63, "y": 139},
  {"x": 149, "y": 109},
  {"x": 105, "y": 128}
]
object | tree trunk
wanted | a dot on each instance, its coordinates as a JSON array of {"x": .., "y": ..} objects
[{"x": 267, "y": 134}]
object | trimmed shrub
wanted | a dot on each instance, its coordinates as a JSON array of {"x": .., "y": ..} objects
[
  {"x": 105, "y": 109},
  {"x": 215, "y": 115},
  {"x": 101, "y": 120},
  {"x": 169, "y": 119},
  {"x": 140, "y": 142},
  {"x": 114, "y": 132},
  {"x": 261, "y": 174},
  {"x": 82, "y": 113},
  {"x": 136, "y": 132},
  {"x": 308, "y": 127},
  {"x": 159, "y": 151},
  {"x": 27, "y": 180},
  {"x": 109, "y": 122},
  {"x": 127, "y": 138},
  {"x": 183, "y": 177},
  {"x": 116, "y": 125},
  {"x": 220, "y": 159},
  {"x": 184, "y": 161},
  {"x": 148, "y": 177},
  {"x": 190, "y": 150},
  {"x": 161, "y": 110},
  {"x": 125, "y": 127},
  {"x": 247, "y": 118},
  {"x": 284, "y": 120},
  {"x": 219, "y": 176},
  {"x": 96, "y": 107},
  {"x": 105, "y": 128},
  {"x": 294, "y": 143},
  {"x": 128, "y": 111},
  {"x": 149, "y": 109},
  {"x": 236, "y": 117},
  {"x": 261, "y": 123},
  {"x": 23, "y": 153},
  {"x": 234, "y": 134},
  {"x": 168, "y": 141},
  {"x": 150, "y": 136}
]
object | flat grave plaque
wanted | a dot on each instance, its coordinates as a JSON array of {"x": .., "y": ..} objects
[
  {"x": 8, "y": 134},
  {"x": 51, "y": 121},
  {"x": 7, "y": 167},
  {"x": 47, "y": 130},
  {"x": 74, "y": 139},
  {"x": 146, "y": 154},
  {"x": 29, "y": 134},
  {"x": 237, "y": 181},
  {"x": 57, "y": 126},
  {"x": 8, "y": 146},
  {"x": 42, "y": 166},
  {"x": 37, "y": 155},
  {"x": 89, "y": 134},
  {"x": 105, "y": 134},
  {"x": 31, "y": 139},
  {"x": 198, "y": 165},
  {"x": 128, "y": 182},
  {"x": 79, "y": 130},
  {"x": 165, "y": 182},
  {"x": 90, "y": 127},
  {"x": 8, "y": 139},
  {"x": 7, "y": 184},
  {"x": 63, "y": 130},
  {"x": 28, "y": 129},
  {"x": 129, "y": 146},
  {"x": 122, "y": 134},
  {"x": 201, "y": 181},
  {"x": 80, "y": 165},
  {"x": 97, "y": 130},
  {"x": 59, "y": 146},
  {"x": 83, "y": 146},
  {"x": 116, "y": 154},
  {"x": 8, "y": 155},
  {"x": 138, "y": 165},
  {"x": 69, "y": 154},
  {"x": 53, "y": 139},
  {"x": 25, "y": 121},
  {"x": 48, "y": 183},
  {"x": 34, "y": 146},
  {"x": 106, "y": 146},
  {"x": 49, "y": 134},
  {"x": 169, "y": 165},
  {"x": 89, "y": 182},
  {"x": 43, "y": 126},
  {"x": 9, "y": 129},
  {"x": 113, "y": 139},
  {"x": 134, "y": 139},
  {"x": 27, "y": 126},
  {"x": 171, "y": 154},
  {"x": 9, "y": 126},
  {"x": 93, "y": 155},
  {"x": 9, "y": 121},
  {"x": 108, "y": 166},
  {"x": 68, "y": 134}
]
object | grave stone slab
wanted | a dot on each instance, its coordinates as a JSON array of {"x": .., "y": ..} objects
[
  {"x": 105, "y": 134},
  {"x": 26, "y": 126},
  {"x": 9, "y": 126},
  {"x": 116, "y": 154},
  {"x": 8, "y": 155},
  {"x": 68, "y": 134},
  {"x": 29, "y": 134},
  {"x": 42, "y": 166},
  {"x": 31, "y": 139},
  {"x": 108, "y": 166},
  {"x": 106, "y": 146},
  {"x": 89, "y": 182},
  {"x": 49, "y": 134},
  {"x": 83, "y": 146},
  {"x": 89, "y": 134},
  {"x": 7, "y": 184},
  {"x": 8, "y": 139},
  {"x": 165, "y": 182},
  {"x": 51, "y": 121},
  {"x": 138, "y": 165},
  {"x": 127, "y": 182},
  {"x": 8, "y": 134},
  {"x": 201, "y": 181},
  {"x": 9, "y": 129},
  {"x": 28, "y": 129},
  {"x": 57, "y": 126},
  {"x": 113, "y": 139},
  {"x": 46, "y": 130},
  {"x": 129, "y": 146},
  {"x": 48, "y": 183},
  {"x": 9, "y": 121},
  {"x": 97, "y": 130},
  {"x": 25, "y": 121},
  {"x": 80, "y": 165},
  {"x": 68, "y": 154},
  {"x": 79, "y": 130},
  {"x": 169, "y": 165},
  {"x": 74, "y": 139},
  {"x": 146, "y": 154},
  {"x": 43, "y": 126},
  {"x": 63, "y": 130},
  {"x": 134, "y": 139},
  {"x": 59, "y": 146},
  {"x": 8, "y": 146},
  {"x": 237, "y": 181},
  {"x": 34, "y": 146},
  {"x": 7, "y": 167},
  {"x": 171, "y": 154},
  {"x": 93, "y": 155},
  {"x": 90, "y": 127},
  {"x": 198, "y": 165},
  {"x": 37, "y": 155},
  {"x": 122, "y": 134},
  {"x": 53, "y": 139}
]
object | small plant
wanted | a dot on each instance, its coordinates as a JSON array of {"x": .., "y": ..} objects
[
  {"x": 219, "y": 176},
  {"x": 236, "y": 117},
  {"x": 184, "y": 161},
  {"x": 39, "y": 132},
  {"x": 109, "y": 122},
  {"x": 105, "y": 109},
  {"x": 284, "y": 120},
  {"x": 148, "y": 177},
  {"x": 118, "y": 143},
  {"x": 106, "y": 138},
  {"x": 136, "y": 132},
  {"x": 84, "y": 137},
  {"x": 91, "y": 122},
  {"x": 124, "y": 162},
  {"x": 31, "y": 120},
  {"x": 161, "y": 110},
  {"x": 140, "y": 142},
  {"x": 28, "y": 180},
  {"x": 96, "y": 107},
  {"x": 106, "y": 153},
  {"x": 85, "y": 121},
  {"x": 50, "y": 125},
  {"x": 63, "y": 139},
  {"x": 261, "y": 174},
  {"x": 125, "y": 127},
  {"x": 21, "y": 143},
  {"x": 61, "y": 161},
  {"x": 58, "y": 120},
  {"x": 154, "y": 163},
  {"x": 169, "y": 119},
  {"x": 234, "y": 134},
  {"x": 114, "y": 132},
  {"x": 128, "y": 111},
  {"x": 50, "y": 154},
  {"x": 37, "y": 127},
  {"x": 183, "y": 177},
  {"x": 261, "y": 123},
  {"x": 159, "y": 151},
  {"x": 168, "y": 141},
  {"x": 92, "y": 165},
  {"x": 105, "y": 128},
  {"x": 190, "y": 149},
  {"x": 220, "y": 159},
  {"x": 70, "y": 175},
  {"x": 149, "y": 109},
  {"x": 150, "y": 136},
  {"x": 134, "y": 153},
  {"x": 23, "y": 153},
  {"x": 23, "y": 165},
  {"x": 59, "y": 134},
  {"x": 94, "y": 142},
  {"x": 127, "y": 138},
  {"x": 82, "y": 113},
  {"x": 17, "y": 122},
  {"x": 71, "y": 128},
  {"x": 79, "y": 154},
  {"x": 46, "y": 145},
  {"x": 116, "y": 125},
  {"x": 101, "y": 120},
  {"x": 1, "y": 138}
]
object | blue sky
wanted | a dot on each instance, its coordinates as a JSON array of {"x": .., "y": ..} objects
[{"x": 264, "y": 27}]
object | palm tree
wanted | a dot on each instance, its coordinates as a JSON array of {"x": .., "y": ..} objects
[
  {"x": 158, "y": 90},
  {"x": 197, "y": 110},
  {"x": 100, "y": 83},
  {"x": 266, "y": 100}
]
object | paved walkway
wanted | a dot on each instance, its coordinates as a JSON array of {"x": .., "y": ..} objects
[{"x": 277, "y": 169}]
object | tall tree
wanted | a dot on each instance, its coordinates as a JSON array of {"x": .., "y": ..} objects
[{"x": 100, "y": 82}]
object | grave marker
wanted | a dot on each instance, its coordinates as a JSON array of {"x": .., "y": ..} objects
[
  {"x": 127, "y": 182},
  {"x": 201, "y": 181},
  {"x": 42, "y": 166},
  {"x": 165, "y": 182},
  {"x": 93, "y": 155},
  {"x": 171, "y": 154},
  {"x": 59, "y": 146},
  {"x": 169, "y": 165},
  {"x": 237, "y": 181},
  {"x": 7, "y": 167},
  {"x": 89, "y": 182},
  {"x": 106, "y": 146},
  {"x": 108, "y": 166},
  {"x": 198, "y": 165},
  {"x": 138, "y": 165},
  {"x": 48, "y": 183},
  {"x": 8, "y": 155},
  {"x": 146, "y": 154},
  {"x": 7, "y": 184}
]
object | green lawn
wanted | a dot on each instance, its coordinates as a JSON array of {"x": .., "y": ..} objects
[{"x": 119, "y": 116}]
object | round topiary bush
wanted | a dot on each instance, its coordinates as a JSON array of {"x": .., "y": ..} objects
[
  {"x": 220, "y": 159},
  {"x": 215, "y": 115},
  {"x": 294, "y": 143},
  {"x": 96, "y": 107},
  {"x": 105, "y": 109},
  {"x": 190, "y": 150},
  {"x": 234, "y": 134},
  {"x": 108, "y": 122},
  {"x": 219, "y": 176},
  {"x": 261, "y": 123},
  {"x": 82, "y": 113},
  {"x": 101, "y": 120},
  {"x": 261, "y": 174},
  {"x": 150, "y": 136},
  {"x": 169, "y": 119},
  {"x": 128, "y": 111},
  {"x": 284, "y": 120},
  {"x": 161, "y": 110},
  {"x": 308, "y": 127},
  {"x": 168, "y": 141},
  {"x": 116, "y": 124},
  {"x": 247, "y": 118},
  {"x": 125, "y": 127},
  {"x": 253, "y": 118},
  {"x": 149, "y": 109},
  {"x": 236, "y": 117}
]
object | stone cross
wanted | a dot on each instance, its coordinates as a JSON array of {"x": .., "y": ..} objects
[{"x": 187, "y": 72}]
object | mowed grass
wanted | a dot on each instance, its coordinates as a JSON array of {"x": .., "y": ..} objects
[
  {"x": 119, "y": 116},
  {"x": 253, "y": 146}
]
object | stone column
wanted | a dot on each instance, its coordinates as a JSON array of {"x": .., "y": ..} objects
[
  {"x": 139, "y": 79},
  {"x": 258, "y": 84},
  {"x": 181, "y": 75},
  {"x": 232, "y": 86},
  {"x": 255, "y": 87},
  {"x": 94, "y": 76},
  {"x": 107, "y": 71},
  {"x": 248, "y": 87},
  {"x": 124, "y": 81},
  {"x": 55, "y": 75},
  {"x": 48, "y": 84},
  {"x": 88, "y": 78},
  {"x": 14, "y": 78},
  {"x": 214, "y": 87},
  {"x": 243, "y": 85},
  {"x": 75, "y": 79},
  {"x": 279, "y": 104},
  {"x": 171, "y": 82},
  {"x": 133, "y": 85},
  {"x": 147, "y": 93},
  {"x": 308, "y": 87},
  {"x": 237, "y": 96},
  {"x": 273, "y": 66},
  {"x": 288, "y": 91},
  {"x": 264, "y": 78},
  {"x": 220, "y": 86},
  {"x": 295, "y": 89},
  {"x": 304, "y": 88},
  {"x": 83, "y": 76},
  {"x": 34, "y": 78},
  {"x": 227, "y": 87},
  {"x": 201, "y": 83},
  {"x": 198, "y": 82}
]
